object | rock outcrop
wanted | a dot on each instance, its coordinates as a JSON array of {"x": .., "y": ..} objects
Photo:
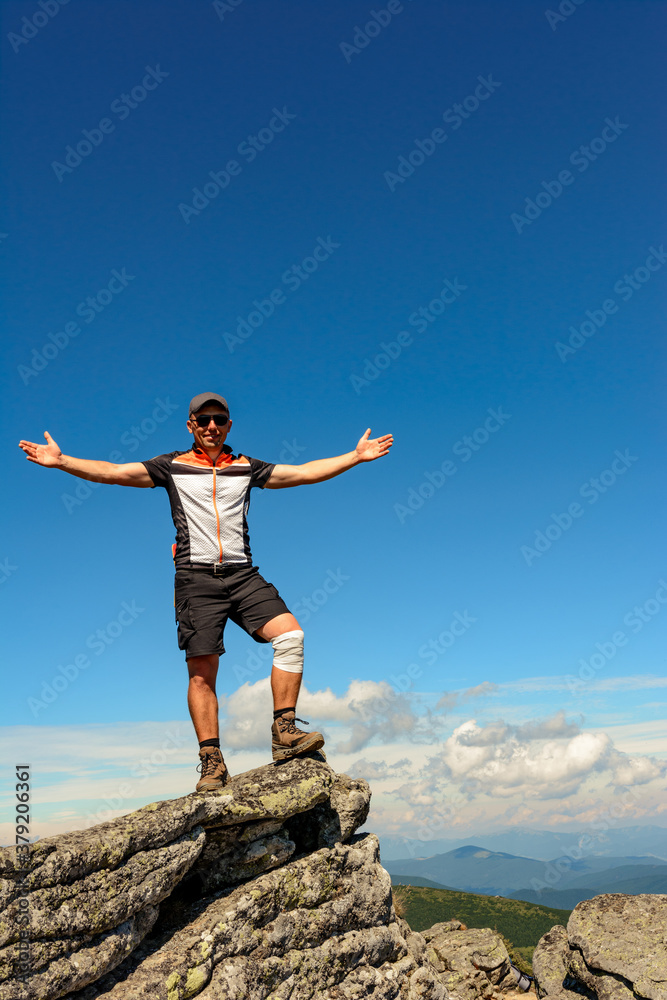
[
  {"x": 261, "y": 891},
  {"x": 472, "y": 962},
  {"x": 614, "y": 948}
]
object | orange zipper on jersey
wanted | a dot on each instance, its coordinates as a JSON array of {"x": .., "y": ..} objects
[{"x": 217, "y": 516}]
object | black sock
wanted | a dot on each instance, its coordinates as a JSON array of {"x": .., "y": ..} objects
[
  {"x": 280, "y": 711},
  {"x": 209, "y": 743}
]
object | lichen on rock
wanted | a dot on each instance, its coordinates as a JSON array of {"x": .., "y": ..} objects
[
  {"x": 614, "y": 948},
  {"x": 264, "y": 890},
  {"x": 472, "y": 962}
]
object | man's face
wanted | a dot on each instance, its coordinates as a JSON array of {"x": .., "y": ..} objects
[{"x": 210, "y": 438}]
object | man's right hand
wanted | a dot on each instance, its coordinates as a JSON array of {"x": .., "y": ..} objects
[{"x": 48, "y": 454}]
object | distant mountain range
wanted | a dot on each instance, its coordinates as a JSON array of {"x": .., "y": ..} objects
[
  {"x": 626, "y": 879},
  {"x": 627, "y": 841},
  {"x": 561, "y": 882}
]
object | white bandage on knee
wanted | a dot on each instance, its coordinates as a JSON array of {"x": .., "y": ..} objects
[{"x": 288, "y": 651}]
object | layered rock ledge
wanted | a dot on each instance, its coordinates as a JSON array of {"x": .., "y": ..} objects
[
  {"x": 261, "y": 890},
  {"x": 257, "y": 890}
]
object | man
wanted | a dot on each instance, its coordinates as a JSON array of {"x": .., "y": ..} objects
[{"x": 209, "y": 489}]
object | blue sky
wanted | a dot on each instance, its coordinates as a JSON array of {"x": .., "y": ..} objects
[{"x": 482, "y": 185}]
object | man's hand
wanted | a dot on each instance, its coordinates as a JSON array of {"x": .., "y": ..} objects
[
  {"x": 48, "y": 454},
  {"x": 367, "y": 450}
]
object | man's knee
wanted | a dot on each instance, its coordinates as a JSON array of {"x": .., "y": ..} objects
[
  {"x": 288, "y": 651},
  {"x": 278, "y": 626},
  {"x": 203, "y": 669}
]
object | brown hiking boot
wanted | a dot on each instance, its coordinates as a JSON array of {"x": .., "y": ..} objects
[
  {"x": 289, "y": 741},
  {"x": 214, "y": 773}
]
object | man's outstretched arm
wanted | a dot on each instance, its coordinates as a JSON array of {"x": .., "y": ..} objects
[
  {"x": 51, "y": 457},
  {"x": 326, "y": 468}
]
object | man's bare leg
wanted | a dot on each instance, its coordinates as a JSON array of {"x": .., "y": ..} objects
[
  {"x": 285, "y": 688},
  {"x": 285, "y": 685},
  {"x": 287, "y": 740},
  {"x": 202, "y": 699},
  {"x": 203, "y": 705}
]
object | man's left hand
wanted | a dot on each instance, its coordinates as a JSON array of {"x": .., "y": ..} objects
[{"x": 367, "y": 450}]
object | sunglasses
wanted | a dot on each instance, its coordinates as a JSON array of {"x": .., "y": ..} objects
[{"x": 204, "y": 419}]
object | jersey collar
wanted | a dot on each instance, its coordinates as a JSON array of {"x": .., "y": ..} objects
[{"x": 224, "y": 458}]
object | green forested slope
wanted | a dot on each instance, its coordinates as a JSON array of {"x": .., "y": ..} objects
[{"x": 521, "y": 923}]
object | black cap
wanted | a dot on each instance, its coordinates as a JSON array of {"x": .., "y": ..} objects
[{"x": 197, "y": 402}]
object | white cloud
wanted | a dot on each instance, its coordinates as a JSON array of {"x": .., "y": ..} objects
[
  {"x": 245, "y": 716},
  {"x": 639, "y": 682},
  {"x": 597, "y": 684},
  {"x": 373, "y": 770},
  {"x": 646, "y": 737},
  {"x": 367, "y": 710},
  {"x": 556, "y": 727},
  {"x": 630, "y": 771},
  {"x": 52, "y": 750},
  {"x": 543, "y": 759},
  {"x": 450, "y": 699},
  {"x": 550, "y": 683}
]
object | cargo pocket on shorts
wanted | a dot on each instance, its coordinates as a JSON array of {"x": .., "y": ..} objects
[{"x": 186, "y": 626}]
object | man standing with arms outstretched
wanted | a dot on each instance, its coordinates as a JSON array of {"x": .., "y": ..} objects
[{"x": 209, "y": 489}]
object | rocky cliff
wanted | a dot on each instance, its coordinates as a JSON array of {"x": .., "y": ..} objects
[
  {"x": 264, "y": 891},
  {"x": 259, "y": 891}
]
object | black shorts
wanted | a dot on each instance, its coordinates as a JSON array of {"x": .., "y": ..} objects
[{"x": 203, "y": 603}]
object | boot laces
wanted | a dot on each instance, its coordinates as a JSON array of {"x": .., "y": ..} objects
[
  {"x": 287, "y": 725},
  {"x": 208, "y": 762}
]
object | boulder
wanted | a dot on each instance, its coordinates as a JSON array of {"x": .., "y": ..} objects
[
  {"x": 322, "y": 925},
  {"x": 624, "y": 936},
  {"x": 550, "y": 961},
  {"x": 614, "y": 948},
  {"x": 94, "y": 895},
  {"x": 471, "y": 962}
]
